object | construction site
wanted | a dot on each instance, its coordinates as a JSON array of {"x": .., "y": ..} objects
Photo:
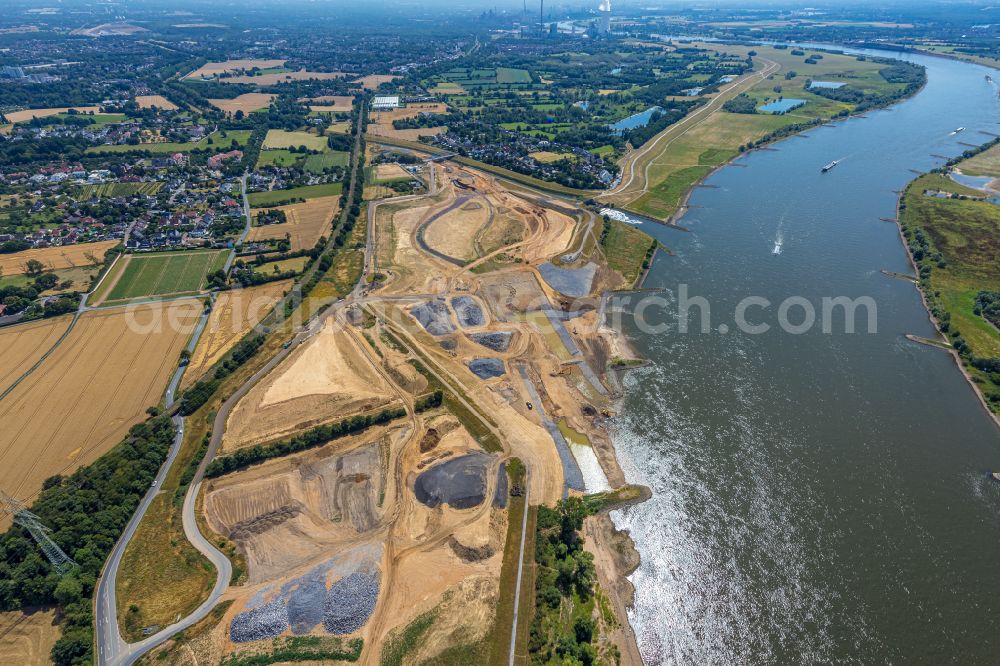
[{"x": 475, "y": 339}]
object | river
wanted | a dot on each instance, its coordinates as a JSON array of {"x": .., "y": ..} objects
[{"x": 818, "y": 498}]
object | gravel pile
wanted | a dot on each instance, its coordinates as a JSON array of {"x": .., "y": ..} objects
[
  {"x": 449, "y": 344},
  {"x": 305, "y": 605},
  {"x": 434, "y": 316},
  {"x": 499, "y": 341},
  {"x": 267, "y": 621},
  {"x": 487, "y": 368},
  {"x": 350, "y": 602},
  {"x": 468, "y": 312},
  {"x": 575, "y": 282}
]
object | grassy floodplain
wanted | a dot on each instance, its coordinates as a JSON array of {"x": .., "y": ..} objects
[
  {"x": 955, "y": 243},
  {"x": 688, "y": 151}
]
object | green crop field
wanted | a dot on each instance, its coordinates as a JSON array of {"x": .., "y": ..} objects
[
  {"x": 161, "y": 274},
  {"x": 259, "y": 199},
  {"x": 117, "y": 190},
  {"x": 316, "y": 163},
  {"x": 281, "y": 157}
]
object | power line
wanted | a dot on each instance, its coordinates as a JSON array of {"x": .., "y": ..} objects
[{"x": 59, "y": 560}]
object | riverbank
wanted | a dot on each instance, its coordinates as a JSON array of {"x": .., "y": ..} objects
[
  {"x": 942, "y": 331},
  {"x": 694, "y": 151}
]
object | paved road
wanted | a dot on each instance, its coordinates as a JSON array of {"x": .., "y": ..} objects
[{"x": 111, "y": 648}]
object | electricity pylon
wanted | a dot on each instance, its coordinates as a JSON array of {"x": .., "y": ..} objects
[{"x": 60, "y": 561}]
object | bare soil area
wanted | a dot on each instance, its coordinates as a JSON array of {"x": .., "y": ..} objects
[{"x": 325, "y": 379}]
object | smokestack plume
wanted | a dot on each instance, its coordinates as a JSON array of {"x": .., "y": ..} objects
[{"x": 605, "y": 6}]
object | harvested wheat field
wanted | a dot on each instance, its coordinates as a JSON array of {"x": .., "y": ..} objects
[
  {"x": 21, "y": 346},
  {"x": 289, "y": 511},
  {"x": 235, "y": 312},
  {"x": 28, "y": 114},
  {"x": 158, "y": 101},
  {"x": 404, "y": 134},
  {"x": 307, "y": 221},
  {"x": 373, "y": 81},
  {"x": 326, "y": 379},
  {"x": 283, "y": 77},
  {"x": 83, "y": 398},
  {"x": 247, "y": 103},
  {"x": 410, "y": 111},
  {"x": 27, "y": 638},
  {"x": 210, "y": 69},
  {"x": 64, "y": 256},
  {"x": 391, "y": 172},
  {"x": 330, "y": 103}
]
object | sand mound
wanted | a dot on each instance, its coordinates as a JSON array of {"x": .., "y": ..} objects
[{"x": 326, "y": 379}]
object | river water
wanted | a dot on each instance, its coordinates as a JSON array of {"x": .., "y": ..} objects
[{"x": 818, "y": 498}]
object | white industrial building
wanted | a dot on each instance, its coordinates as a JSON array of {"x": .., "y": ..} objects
[{"x": 387, "y": 103}]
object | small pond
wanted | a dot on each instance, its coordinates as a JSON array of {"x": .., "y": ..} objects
[
  {"x": 635, "y": 120},
  {"x": 782, "y": 105}
]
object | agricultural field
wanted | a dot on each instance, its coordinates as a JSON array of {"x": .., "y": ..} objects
[
  {"x": 381, "y": 122},
  {"x": 84, "y": 397},
  {"x": 294, "y": 264},
  {"x": 21, "y": 346},
  {"x": 28, "y": 114},
  {"x": 55, "y": 258},
  {"x": 235, "y": 312},
  {"x": 159, "y": 274},
  {"x": 218, "y": 143},
  {"x": 261, "y": 199},
  {"x": 27, "y": 636},
  {"x": 277, "y": 139},
  {"x": 325, "y": 160},
  {"x": 306, "y": 222},
  {"x": 214, "y": 69},
  {"x": 157, "y": 101},
  {"x": 70, "y": 279},
  {"x": 111, "y": 190},
  {"x": 373, "y": 81},
  {"x": 247, "y": 103},
  {"x": 330, "y": 103}
]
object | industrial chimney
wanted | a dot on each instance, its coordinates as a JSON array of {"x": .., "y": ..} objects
[{"x": 604, "y": 24}]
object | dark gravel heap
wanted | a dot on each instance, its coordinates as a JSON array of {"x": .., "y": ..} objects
[
  {"x": 468, "y": 312},
  {"x": 350, "y": 602},
  {"x": 459, "y": 482},
  {"x": 305, "y": 605},
  {"x": 266, "y": 621},
  {"x": 499, "y": 341},
  {"x": 487, "y": 368},
  {"x": 434, "y": 316}
]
